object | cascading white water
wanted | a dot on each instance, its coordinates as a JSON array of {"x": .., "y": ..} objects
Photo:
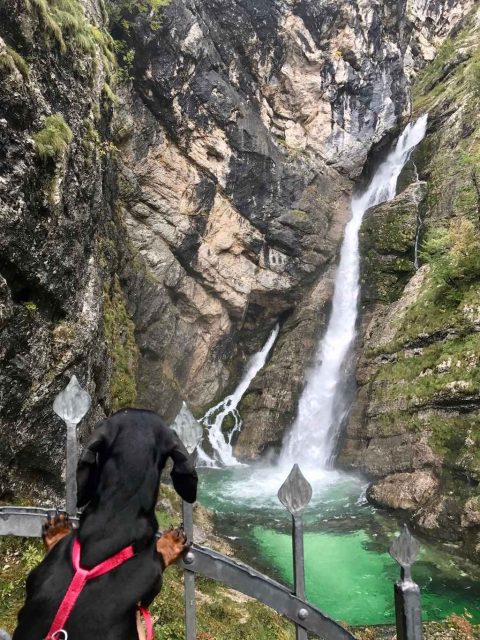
[
  {"x": 322, "y": 405},
  {"x": 214, "y": 418}
]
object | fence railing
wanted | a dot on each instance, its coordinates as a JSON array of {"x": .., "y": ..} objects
[{"x": 295, "y": 494}]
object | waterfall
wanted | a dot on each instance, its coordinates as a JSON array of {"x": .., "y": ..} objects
[
  {"x": 214, "y": 418},
  {"x": 323, "y": 405}
]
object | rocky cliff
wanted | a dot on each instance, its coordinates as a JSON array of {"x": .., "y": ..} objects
[
  {"x": 169, "y": 212},
  {"x": 249, "y": 118},
  {"x": 415, "y": 423},
  {"x": 56, "y": 177}
]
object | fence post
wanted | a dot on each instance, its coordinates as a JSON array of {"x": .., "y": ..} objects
[
  {"x": 191, "y": 434},
  {"x": 408, "y": 613},
  {"x": 189, "y": 576},
  {"x": 71, "y": 405},
  {"x": 71, "y": 469},
  {"x": 295, "y": 494}
]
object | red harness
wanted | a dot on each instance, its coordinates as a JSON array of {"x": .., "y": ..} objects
[{"x": 79, "y": 579}]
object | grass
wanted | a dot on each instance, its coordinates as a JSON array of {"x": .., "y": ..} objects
[
  {"x": 53, "y": 139},
  {"x": 221, "y": 615},
  {"x": 11, "y": 61},
  {"x": 18, "y": 557},
  {"x": 65, "y": 23}
]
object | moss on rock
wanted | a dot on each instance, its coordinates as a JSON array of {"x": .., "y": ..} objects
[
  {"x": 119, "y": 334},
  {"x": 387, "y": 245}
]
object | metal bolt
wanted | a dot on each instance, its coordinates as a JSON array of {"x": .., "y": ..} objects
[
  {"x": 302, "y": 614},
  {"x": 189, "y": 557}
]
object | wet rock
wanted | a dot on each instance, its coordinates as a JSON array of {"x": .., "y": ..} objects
[
  {"x": 403, "y": 490},
  {"x": 388, "y": 244},
  {"x": 471, "y": 512}
]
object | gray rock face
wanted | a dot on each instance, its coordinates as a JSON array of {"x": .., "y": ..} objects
[
  {"x": 53, "y": 208},
  {"x": 403, "y": 490}
]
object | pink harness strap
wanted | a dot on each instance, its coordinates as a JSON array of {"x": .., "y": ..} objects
[{"x": 78, "y": 582}]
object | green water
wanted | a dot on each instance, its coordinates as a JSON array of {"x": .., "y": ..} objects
[{"x": 349, "y": 574}]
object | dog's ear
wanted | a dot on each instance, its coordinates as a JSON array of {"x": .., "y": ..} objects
[
  {"x": 184, "y": 476},
  {"x": 91, "y": 462}
]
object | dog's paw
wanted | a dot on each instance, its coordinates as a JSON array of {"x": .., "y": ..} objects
[
  {"x": 55, "y": 528},
  {"x": 171, "y": 545}
]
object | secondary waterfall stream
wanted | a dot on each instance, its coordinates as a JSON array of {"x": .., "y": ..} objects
[
  {"x": 349, "y": 575},
  {"x": 220, "y": 443}
]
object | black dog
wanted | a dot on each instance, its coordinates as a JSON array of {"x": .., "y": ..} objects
[{"x": 118, "y": 479}]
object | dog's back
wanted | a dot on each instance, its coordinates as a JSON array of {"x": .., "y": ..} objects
[
  {"x": 106, "y": 607},
  {"x": 118, "y": 479}
]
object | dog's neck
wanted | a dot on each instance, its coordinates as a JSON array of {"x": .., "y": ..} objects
[{"x": 105, "y": 529}]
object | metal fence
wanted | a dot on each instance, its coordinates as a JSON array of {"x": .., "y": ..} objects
[{"x": 295, "y": 494}]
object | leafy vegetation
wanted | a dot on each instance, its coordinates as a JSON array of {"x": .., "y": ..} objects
[
  {"x": 53, "y": 139},
  {"x": 124, "y": 12}
]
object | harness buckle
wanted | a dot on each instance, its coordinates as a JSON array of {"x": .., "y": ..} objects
[{"x": 54, "y": 636}]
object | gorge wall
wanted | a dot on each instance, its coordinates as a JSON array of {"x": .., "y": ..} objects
[
  {"x": 159, "y": 219},
  {"x": 249, "y": 121},
  {"x": 56, "y": 179},
  {"x": 415, "y": 423}
]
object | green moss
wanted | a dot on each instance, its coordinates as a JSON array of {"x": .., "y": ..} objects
[
  {"x": 222, "y": 615},
  {"x": 415, "y": 389},
  {"x": 50, "y": 26},
  {"x": 166, "y": 520},
  {"x": 446, "y": 80},
  {"x": 119, "y": 334},
  {"x": 228, "y": 424},
  {"x": 451, "y": 286},
  {"x": 108, "y": 93},
  {"x": 30, "y": 306},
  {"x": 387, "y": 240},
  {"x": 454, "y": 258},
  {"x": 11, "y": 61},
  {"x": 123, "y": 12},
  {"x": 53, "y": 139},
  {"x": 434, "y": 370},
  {"x": 300, "y": 214}
]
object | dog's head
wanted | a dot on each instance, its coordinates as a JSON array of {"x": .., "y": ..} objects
[{"x": 140, "y": 441}]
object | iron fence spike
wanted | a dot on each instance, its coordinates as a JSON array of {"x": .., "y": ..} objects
[
  {"x": 405, "y": 548},
  {"x": 296, "y": 492},
  {"x": 72, "y": 403}
]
